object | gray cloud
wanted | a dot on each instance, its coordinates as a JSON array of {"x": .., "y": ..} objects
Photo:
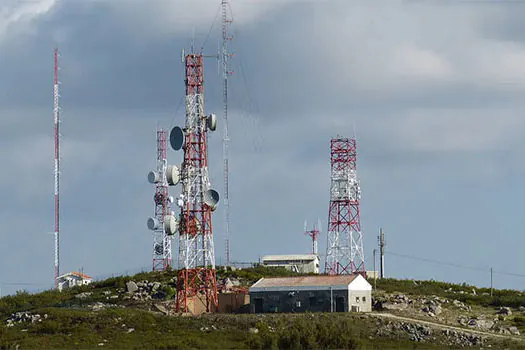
[{"x": 437, "y": 111}]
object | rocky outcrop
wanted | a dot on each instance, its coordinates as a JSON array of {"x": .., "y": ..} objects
[
  {"x": 420, "y": 333},
  {"x": 24, "y": 317},
  {"x": 144, "y": 291}
]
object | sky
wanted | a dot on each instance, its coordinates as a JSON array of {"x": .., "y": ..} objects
[{"x": 431, "y": 89}]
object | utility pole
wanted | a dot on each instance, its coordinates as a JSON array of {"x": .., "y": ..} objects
[
  {"x": 382, "y": 245},
  {"x": 491, "y": 281},
  {"x": 375, "y": 271}
]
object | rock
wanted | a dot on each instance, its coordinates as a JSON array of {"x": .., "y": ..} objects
[
  {"x": 83, "y": 295},
  {"x": 392, "y": 306},
  {"x": 514, "y": 330},
  {"x": 107, "y": 292},
  {"x": 435, "y": 309},
  {"x": 504, "y": 311},
  {"x": 131, "y": 287},
  {"x": 131, "y": 330},
  {"x": 521, "y": 308},
  {"x": 473, "y": 291},
  {"x": 485, "y": 324},
  {"x": 162, "y": 309},
  {"x": 253, "y": 330},
  {"x": 156, "y": 286}
]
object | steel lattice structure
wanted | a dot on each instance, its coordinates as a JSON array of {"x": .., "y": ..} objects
[
  {"x": 161, "y": 240},
  {"x": 56, "y": 114},
  {"x": 197, "y": 276},
  {"x": 344, "y": 252},
  {"x": 225, "y": 55}
]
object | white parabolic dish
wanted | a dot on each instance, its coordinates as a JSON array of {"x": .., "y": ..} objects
[
  {"x": 170, "y": 225},
  {"x": 172, "y": 175}
]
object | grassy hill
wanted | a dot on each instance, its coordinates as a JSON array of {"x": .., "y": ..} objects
[{"x": 104, "y": 315}]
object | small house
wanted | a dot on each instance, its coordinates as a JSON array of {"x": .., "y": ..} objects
[
  {"x": 73, "y": 279},
  {"x": 341, "y": 293}
]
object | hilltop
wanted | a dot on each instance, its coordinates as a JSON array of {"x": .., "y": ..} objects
[{"x": 137, "y": 312}]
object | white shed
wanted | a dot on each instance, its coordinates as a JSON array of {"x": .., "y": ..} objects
[{"x": 300, "y": 263}]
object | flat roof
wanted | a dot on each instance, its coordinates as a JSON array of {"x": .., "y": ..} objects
[
  {"x": 290, "y": 257},
  {"x": 302, "y": 283}
]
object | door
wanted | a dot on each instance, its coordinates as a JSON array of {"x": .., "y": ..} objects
[
  {"x": 258, "y": 302},
  {"x": 340, "y": 304}
]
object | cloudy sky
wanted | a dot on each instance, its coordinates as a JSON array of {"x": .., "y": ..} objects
[{"x": 433, "y": 90}]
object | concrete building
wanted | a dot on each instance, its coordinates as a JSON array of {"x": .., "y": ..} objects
[
  {"x": 300, "y": 263},
  {"x": 73, "y": 279},
  {"x": 341, "y": 293},
  {"x": 372, "y": 274}
]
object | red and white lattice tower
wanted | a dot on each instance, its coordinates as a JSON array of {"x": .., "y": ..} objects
[
  {"x": 313, "y": 233},
  {"x": 196, "y": 281},
  {"x": 159, "y": 224},
  {"x": 344, "y": 251},
  {"x": 56, "y": 113}
]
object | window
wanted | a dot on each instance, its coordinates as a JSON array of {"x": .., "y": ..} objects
[
  {"x": 356, "y": 299},
  {"x": 364, "y": 299}
]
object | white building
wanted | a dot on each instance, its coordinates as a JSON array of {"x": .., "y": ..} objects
[
  {"x": 300, "y": 263},
  {"x": 73, "y": 279},
  {"x": 341, "y": 293}
]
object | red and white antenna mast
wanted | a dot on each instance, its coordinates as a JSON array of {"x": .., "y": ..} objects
[
  {"x": 225, "y": 56},
  {"x": 56, "y": 113},
  {"x": 313, "y": 233},
  {"x": 162, "y": 224},
  {"x": 344, "y": 251},
  {"x": 196, "y": 281}
]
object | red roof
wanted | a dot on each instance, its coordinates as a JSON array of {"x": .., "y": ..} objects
[{"x": 81, "y": 275}]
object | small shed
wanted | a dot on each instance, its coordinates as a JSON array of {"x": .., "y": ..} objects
[{"x": 340, "y": 293}]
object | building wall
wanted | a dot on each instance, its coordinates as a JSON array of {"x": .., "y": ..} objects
[
  {"x": 71, "y": 281},
  {"x": 233, "y": 302},
  {"x": 300, "y": 267},
  {"x": 357, "y": 303},
  {"x": 298, "y": 301}
]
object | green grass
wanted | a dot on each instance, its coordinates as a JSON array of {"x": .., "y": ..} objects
[
  {"x": 501, "y": 297},
  {"x": 84, "y": 329}
]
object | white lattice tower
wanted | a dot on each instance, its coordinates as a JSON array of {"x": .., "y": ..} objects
[
  {"x": 56, "y": 117},
  {"x": 162, "y": 255},
  {"x": 226, "y": 72}
]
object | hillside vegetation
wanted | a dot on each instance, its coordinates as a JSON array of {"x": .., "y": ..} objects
[{"x": 105, "y": 315}]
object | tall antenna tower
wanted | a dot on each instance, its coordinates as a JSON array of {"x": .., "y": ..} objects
[
  {"x": 344, "y": 251},
  {"x": 313, "y": 233},
  {"x": 196, "y": 281},
  {"x": 56, "y": 113},
  {"x": 225, "y": 55},
  {"x": 162, "y": 223}
]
